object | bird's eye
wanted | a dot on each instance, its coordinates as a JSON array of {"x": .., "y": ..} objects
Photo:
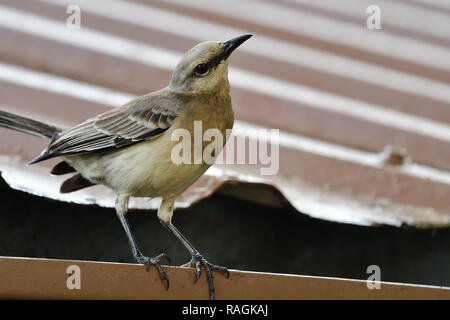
[{"x": 201, "y": 69}]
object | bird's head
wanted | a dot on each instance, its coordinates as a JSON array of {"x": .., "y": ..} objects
[{"x": 203, "y": 68}]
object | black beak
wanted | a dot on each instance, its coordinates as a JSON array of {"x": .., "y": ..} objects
[{"x": 232, "y": 44}]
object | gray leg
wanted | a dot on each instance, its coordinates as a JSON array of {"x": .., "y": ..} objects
[
  {"x": 121, "y": 210},
  {"x": 197, "y": 260}
]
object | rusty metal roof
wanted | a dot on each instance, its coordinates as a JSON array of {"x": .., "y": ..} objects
[{"x": 364, "y": 115}]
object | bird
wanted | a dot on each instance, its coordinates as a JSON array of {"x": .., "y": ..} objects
[{"x": 129, "y": 148}]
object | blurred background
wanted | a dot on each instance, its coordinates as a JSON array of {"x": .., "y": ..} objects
[{"x": 358, "y": 89}]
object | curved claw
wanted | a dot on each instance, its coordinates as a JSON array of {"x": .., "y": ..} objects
[
  {"x": 222, "y": 270},
  {"x": 210, "y": 278},
  {"x": 163, "y": 256},
  {"x": 199, "y": 262},
  {"x": 198, "y": 271},
  {"x": 147, "y": 261},
  {"x": 163, "y": 276}
]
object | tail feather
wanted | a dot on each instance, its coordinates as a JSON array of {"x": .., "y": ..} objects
[
  {"x": 75, "y": 183},
  {"x": 40, "y": 129},
  {"x": 26, "y": 125},
  {"x": 62, "y": 168}
]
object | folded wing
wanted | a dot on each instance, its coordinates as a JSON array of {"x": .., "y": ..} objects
[{"x": 143, "y": 118}]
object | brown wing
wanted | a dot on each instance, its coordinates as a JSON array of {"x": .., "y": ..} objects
[{"x": 143, "y": 118}]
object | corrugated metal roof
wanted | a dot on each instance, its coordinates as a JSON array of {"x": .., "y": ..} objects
[{"x": 340, "y": 94}]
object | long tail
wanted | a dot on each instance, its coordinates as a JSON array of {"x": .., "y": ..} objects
[
  {"x": 26, "y": 125},
  {"x": 40, "y": 129}
]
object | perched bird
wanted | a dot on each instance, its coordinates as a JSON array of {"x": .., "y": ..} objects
[{"x": 128, "y": 148}]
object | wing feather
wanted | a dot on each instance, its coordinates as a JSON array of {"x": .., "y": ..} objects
[{"x": 143, "y": 118}]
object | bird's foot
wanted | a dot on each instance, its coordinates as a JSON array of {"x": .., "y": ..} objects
[
  {"x": 148, "y": 261},
  {"x": 199, "y": 263}
]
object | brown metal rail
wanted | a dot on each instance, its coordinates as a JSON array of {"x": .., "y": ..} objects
[{"x": 25, "y": 278}]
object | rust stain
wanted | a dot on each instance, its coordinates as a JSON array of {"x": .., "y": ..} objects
[{"x": 394, "y": 156}]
